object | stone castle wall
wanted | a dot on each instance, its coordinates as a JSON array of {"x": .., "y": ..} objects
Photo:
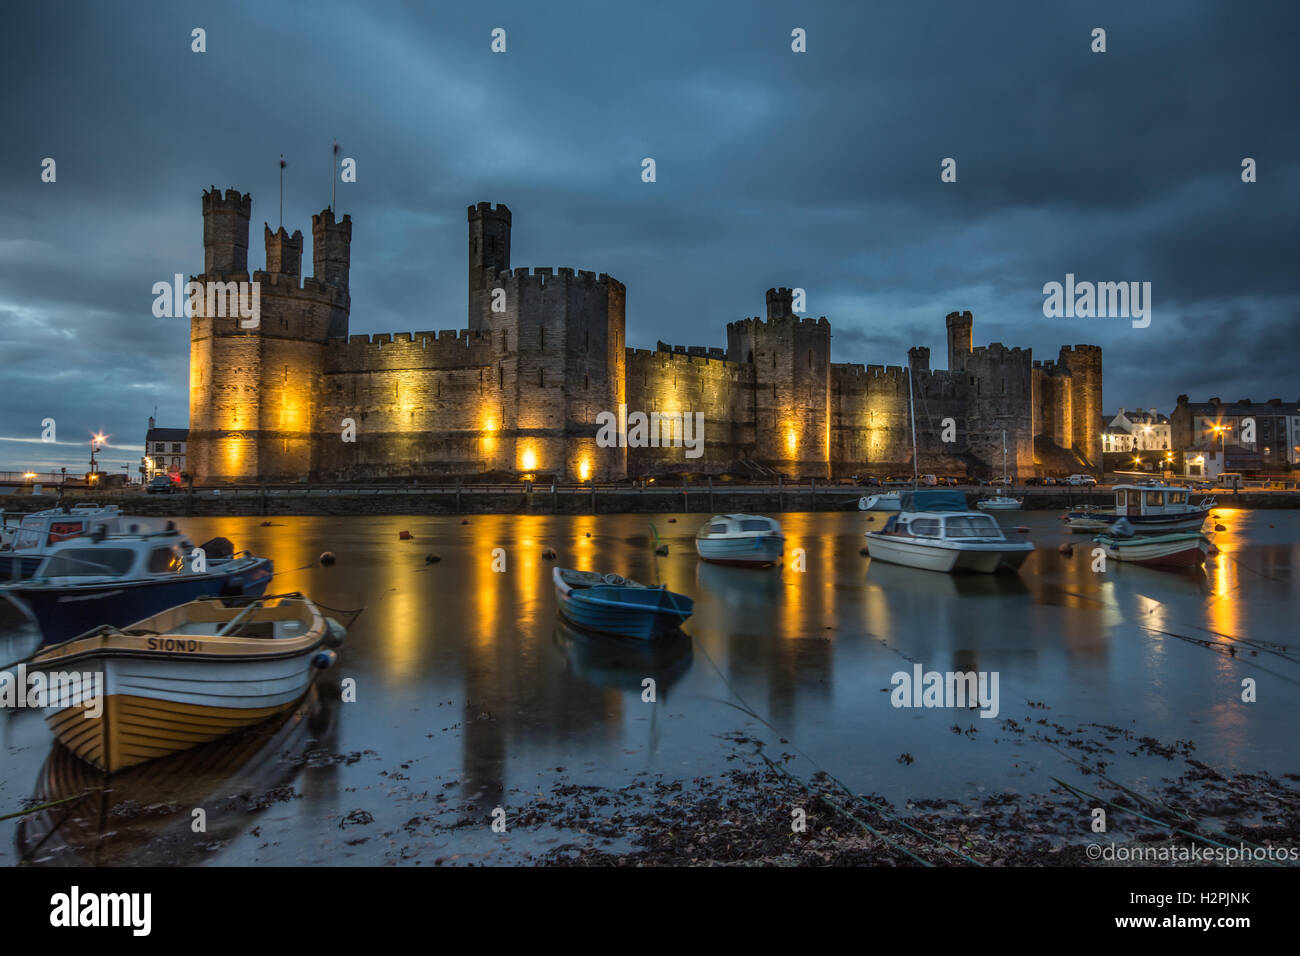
[{"x": 519, "y": 390}]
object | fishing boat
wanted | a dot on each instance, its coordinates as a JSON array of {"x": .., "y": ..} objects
[
  {"x": 613, "y": 604},
  {"x": 1001, "y": 502},
  {"x": 744, "y": 540},
  {"x": 1150, "y": 509},
  {"x": 935, "y": 531},
  {"x": 1178, "y": 549},
  {"x": 885, "y": 501},
  {"x": 26, "y": 545},
  {"x": 87, "y": 582},
  {"x": 185, "y": 676}
]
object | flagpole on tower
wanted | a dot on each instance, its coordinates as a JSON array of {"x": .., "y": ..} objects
[
  {"x": 334, "y": 175},
  {"x": 282, "y": 165}
]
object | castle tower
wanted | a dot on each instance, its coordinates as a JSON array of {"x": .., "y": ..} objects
[
  {"x": 331, "y": 253},
  {"x": 283, "y": 252},
  {"x": 225, "y": 232},
  {"x": 489, "y": 253},
  {"x": 255, "y": 382},
  {"x": 959, "y": 339},
  {"x": 1084, "y": 365},
  {"x": 918, "y": 360},
  {"x": 792, "y": 383}
]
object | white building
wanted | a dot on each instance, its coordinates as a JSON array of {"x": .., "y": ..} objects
[
  {"x": 164, "y": 450},
  {"x": 1146, "y": 431}
]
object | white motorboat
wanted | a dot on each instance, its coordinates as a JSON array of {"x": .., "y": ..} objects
[
  {"x": 1150, "y": 509},
  {"x": 999, "y": 503},
  {"x": 885, "y": 501},
  {"x": 748, "y": 540},
  {"x": 935, "y": 531},
  {"x": 25, "y": 546}
]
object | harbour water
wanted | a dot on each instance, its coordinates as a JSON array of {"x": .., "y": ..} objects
[{"x": 469, "y": 695}]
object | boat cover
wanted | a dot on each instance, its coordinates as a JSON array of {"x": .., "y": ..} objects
[{"x": 933, "y": 501}]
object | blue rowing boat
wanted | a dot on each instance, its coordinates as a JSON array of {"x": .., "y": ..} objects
[{"x": 613, "y": 604}]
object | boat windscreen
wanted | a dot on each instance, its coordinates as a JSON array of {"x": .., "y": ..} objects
[
  {"x": 88, "y": 562},
  {"x": 755, "y": 524},
  {"x": 972, "y": 526}
]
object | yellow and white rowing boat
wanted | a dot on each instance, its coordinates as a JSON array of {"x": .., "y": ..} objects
[{"x": 184, "y": 677}]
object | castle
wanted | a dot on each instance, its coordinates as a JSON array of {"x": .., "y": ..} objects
[{"x": 518, "y": 390}]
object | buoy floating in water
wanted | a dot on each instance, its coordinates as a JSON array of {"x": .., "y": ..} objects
[
  {"x": 1066, "y": 548},
  {"x": 327, "y": 559},
  {"x": 464, "y": 521},
  {"x": 549, "y": 554},
  {"x": 672, "y": 520},
  {"x": 266, "y": 524},
  {"x": 431, "y": 559},
  {"x": 662, "y": 549},
  {"x": 404, "y": 535},
  {"x": 863, "y": 551}
]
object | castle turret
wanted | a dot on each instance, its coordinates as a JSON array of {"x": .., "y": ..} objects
[
  {"x": 283, "y": 252},
  {"x": 918, "y": 360},
  {"x": 780, "y": 303},
  {"x": 225, "y": 232},
  {"x": 960, "y": 325},
  {"x": 331, "y": 249},
  {"x": 489, "y": 253}
]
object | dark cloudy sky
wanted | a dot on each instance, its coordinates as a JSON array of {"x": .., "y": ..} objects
[{"x": 819, "y": 170}]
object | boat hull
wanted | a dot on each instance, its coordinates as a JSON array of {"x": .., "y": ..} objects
[
  {"x": 1180, "y": 552},
  {"x": 755, "y": 551},
  {"x": 981, "y": 559},
  {"x": 885, "y": 502},
  {"x": 64, "y": 613},
  {"x": 998, "y": 505},
  {"x": 636, "y": 612},
  {"x": 1142, "y": 524}
]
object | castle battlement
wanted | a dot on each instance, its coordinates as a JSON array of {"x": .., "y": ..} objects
[{"x": 518, "y": 391}]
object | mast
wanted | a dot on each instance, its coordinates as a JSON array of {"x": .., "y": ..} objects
[{"x": 911, "y": 401}]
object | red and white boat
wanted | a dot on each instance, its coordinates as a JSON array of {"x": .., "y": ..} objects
[{"x": 1181, "y": 549}]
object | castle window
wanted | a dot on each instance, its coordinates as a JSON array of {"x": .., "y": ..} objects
[
  {"x": 540, "y": 383},
  {"x": 586, "y": 340},
  {"x": 586, "y": 381},
  {"x": 501, "y": 376},
  {"x": 541, "y": 339},
  {"x": 810, "y": 358}
]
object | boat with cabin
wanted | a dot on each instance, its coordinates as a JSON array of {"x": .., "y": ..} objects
[
  {"x": 936, "y": 531},
  {"x": 613, "y": 604},
  {"x": 27, "y": 543},
  {"x": 185, "y": 676},
  {"x": 745, "y": 540},
  {"x": 84, "y": 583},
  {"x": 1150, "y": 509}
]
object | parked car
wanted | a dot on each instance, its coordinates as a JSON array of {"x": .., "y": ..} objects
[
  {"x": 948, "y": 481},
  {"x": 160, "y": 485},
  {"x": 1081, "y": 480}
]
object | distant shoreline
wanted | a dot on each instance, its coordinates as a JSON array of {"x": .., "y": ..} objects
[{"x": 405, "y": 500}]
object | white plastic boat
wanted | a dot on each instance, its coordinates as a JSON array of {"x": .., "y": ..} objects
[
  {"x": 999, "y": 503},
  {"x": 1150, "y": 509},
  {"x": 746, "y": 540},
  {"x": 935, "y": 531},
  {"x": 885, "y": 501}
]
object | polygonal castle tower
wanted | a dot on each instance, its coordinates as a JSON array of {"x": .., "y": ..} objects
[{"x": 254, "y": 390}]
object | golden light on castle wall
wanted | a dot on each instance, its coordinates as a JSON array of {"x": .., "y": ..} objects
[
  {"x": 528, "y": 459},
  {"x": 791, "y": 439},
  {"x": 584, "y": 469}
]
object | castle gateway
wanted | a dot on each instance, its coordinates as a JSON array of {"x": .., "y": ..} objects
[{"x": 519, "y": 390}]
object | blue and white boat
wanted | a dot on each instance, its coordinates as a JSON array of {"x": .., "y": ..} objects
[
  {"x": 613, "y": 604},
  {"x": 85, "y": 583},
  {"x": 1149, "y": 509},
  {"x": 745, "y": 540},
  {"x": 25, "y": 546}
]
